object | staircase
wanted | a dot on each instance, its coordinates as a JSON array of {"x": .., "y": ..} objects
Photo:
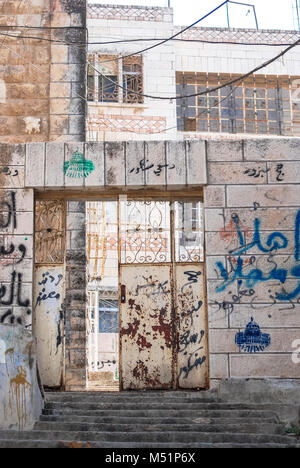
[{"x": 149, "y": 420}]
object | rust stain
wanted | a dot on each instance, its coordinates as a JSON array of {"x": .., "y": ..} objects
[
  {"x": 132, "y": 329},
  {"x": 164, "y": 328},
  {"x": 18, "y": 386},
  {"x": 141, "y": 373}
]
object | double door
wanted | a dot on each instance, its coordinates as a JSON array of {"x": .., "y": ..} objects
[{"x": 163, "y": 323}]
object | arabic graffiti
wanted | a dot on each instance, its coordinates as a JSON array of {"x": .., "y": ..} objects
[
  {"x": 11, "y": 292},
  {"x": 51, "y": 282},
  {"x": 145, "y": 166},
  {"x": 6, "y": 171},
  {"x": 275, "y": 242},
  {"x": 191, "y": 352},
  {"x": 8, "y": 214}
]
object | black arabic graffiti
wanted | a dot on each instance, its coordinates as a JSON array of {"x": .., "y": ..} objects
[
  {"x": 280, "y": 174},
  {"x": 144, "y": 167},
  {"x": 7, "y": 259},
  {"x": 7, "y": 171},
  {"x": 8, "y": 208},
  {"x": 256, "y": 172}
]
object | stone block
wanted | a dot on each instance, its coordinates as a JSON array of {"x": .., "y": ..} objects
[
  {"x": 223, "y": 150},
  {"x": 272, "y": 149},
  {"x": 214, "y": 196},
  {"x": 35, "y": 165},
  {"x": 284, "y": 172},
  {"x": 135, "y": 160},
  {"x": 222, "y": 341},
  {"x": 176, "y": 164},
  {"x": 278, "y": 366},
  {"x": 54, "y": 165},
  {"x": 265, "y": 195},
  {"x": 196, "y": 163},
  {"x": 237, "y": 173},
  {"x": 219, "y": 366},
  {"x": 114, "y": 164},
  {"x": 214, "y": 219}
]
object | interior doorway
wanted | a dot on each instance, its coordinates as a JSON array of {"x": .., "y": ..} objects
[{"x": 146, "y": 312}]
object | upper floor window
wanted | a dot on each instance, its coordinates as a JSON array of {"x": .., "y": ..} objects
[
  {"x": 118, "y": 79},
  {"x": 260, "y": 104}
]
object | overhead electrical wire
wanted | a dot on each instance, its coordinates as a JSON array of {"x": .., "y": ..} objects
[
  {"x": 124, "y": 41},
  {"x": 210, "y": 90}
]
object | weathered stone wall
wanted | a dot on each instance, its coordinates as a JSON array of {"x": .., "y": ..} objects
[
  {"x": 42, "y": 78},
  {"x": 252, "y": 221},
  {"x": 20, "y": 397},
  {"x": 252, "y": 229}
]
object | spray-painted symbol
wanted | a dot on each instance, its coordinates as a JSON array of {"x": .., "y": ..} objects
[
  {"x": 78, "y": 167},
  {"x": 252, "y": 340}
]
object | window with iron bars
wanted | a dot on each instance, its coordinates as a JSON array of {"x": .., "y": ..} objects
[
  {"x": 117, "y": 79},
  {"x": 260, "y": 104}
]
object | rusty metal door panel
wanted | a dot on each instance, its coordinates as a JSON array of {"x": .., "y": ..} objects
[
  {"x": 49, "y": 323},
  {"x": 191, "y": 326},
  {"x": 146, "y": 327}
]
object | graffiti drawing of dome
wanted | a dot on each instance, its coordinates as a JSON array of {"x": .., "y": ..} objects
[
  {"x": 252, "y": 340},
  {"x": 78, "y": 166}
]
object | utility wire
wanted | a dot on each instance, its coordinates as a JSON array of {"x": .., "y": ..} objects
[
  {"x": 210, "y": 90},
  {"x": 120, "y": 41}
]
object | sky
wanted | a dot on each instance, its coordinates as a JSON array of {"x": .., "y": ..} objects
[{"x": 271, "y": 14}]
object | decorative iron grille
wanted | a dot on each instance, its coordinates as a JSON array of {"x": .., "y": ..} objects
[
  {"x": 49, "y": 231},
  {"x": 145, "y": 231}
]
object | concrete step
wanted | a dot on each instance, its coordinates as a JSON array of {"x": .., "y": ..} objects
[
  {"x": 23, "y": 443},
  {"x": 148, "y": 437},
  {"x": 244, "y": 427},
  {"x": 62, "y": 417},
  {"x": 140, "y": 406},
  {"x": 91, "y": 397},
  {"x": 160, "y": 413}
]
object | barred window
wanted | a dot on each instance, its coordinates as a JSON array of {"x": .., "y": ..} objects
[
  {"x": 259, "y": 104},
  {"x": 132, "y": 79},
  {"x": 117, "y": 79}
]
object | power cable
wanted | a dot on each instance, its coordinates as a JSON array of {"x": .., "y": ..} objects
[
  {"x": 121, "y": 41},
  {"x": 210, "y": 90}
]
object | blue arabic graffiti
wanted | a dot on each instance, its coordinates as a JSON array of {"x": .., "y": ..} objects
[{"x": 274, "y": 242}]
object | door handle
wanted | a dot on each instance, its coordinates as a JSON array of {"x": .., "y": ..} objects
[{"x": 123, "y": 293}]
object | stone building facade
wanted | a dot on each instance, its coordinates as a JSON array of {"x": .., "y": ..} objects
[{"x": 205, "y": 238}]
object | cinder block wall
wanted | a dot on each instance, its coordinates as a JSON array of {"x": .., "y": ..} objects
[
  {"x": 42, "y": 71},
  {"x": 252, "y": 207}
]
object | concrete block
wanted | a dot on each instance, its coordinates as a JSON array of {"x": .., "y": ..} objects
[
  {"x": 219, "y": 366},
  {"x": 155, "y": 160},
  {"x": 35, "y": 165},
  {"x": 114, "y": 164},
  {"x": 284, "y": 172},
  {"x": 176, "y": 164},
  {"x": 270, "y": 195},
  {"x": 135, "y": 163},
  {"x": 74, "y": 173},
  {"x": 94, "y": 152},
  {"x": 223, "y": 150},
  {"x": 266, "y": 315},
  {"x": 54, "y": 165},
  {"x": 214, "y": 219},
  {"x": 196, "y": 163},
  {"x": 222, "y": 341},
  {"x": 214, "y": 196},
  {"x": 278, "y": 366},
  {"x": 237, "y": 173},
  {"x": 269, "y": 149}
]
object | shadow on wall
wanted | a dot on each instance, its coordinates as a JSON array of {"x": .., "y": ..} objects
[{"x": 21, "y": 401}]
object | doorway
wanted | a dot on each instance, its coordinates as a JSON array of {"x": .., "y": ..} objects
[{"x": 146, "y": 312}]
